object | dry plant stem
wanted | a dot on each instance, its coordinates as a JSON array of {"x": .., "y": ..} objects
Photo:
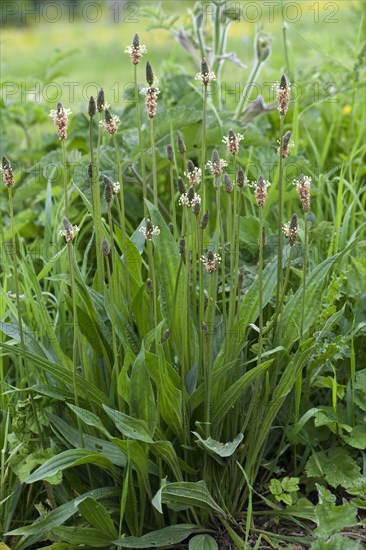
[
  {"x": 142, "y": 157},
  {"x": 122, "y": 216},
  {"x": 260, "y": 285},
  {"x": 279, "y": 232},
  {"x": 97, "y": 213},
  {"x": 203, "y": 148},
  {"x": 71, "y": 257},
  {"x": 244, "y": 100},
  {"x": 65, "y": 177},
  {"x": 153, "y": 155}
]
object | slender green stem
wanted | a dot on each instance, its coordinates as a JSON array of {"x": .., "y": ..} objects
[
  {"x": 25, "y": 367},
  {"x": 173, "y": 212},
  {"x": 142, "y": 157},
  {"x": 244, "y": 100},
  {"x": 113, "y": 323},
  {"x": 153, "y": 155},
  {"x": 71, "y": 256},
  {"x": 260, "y": 285},
  {"x": 306, "y": 246},
  {"x": 203, "y": 148},
  {"x": 279, "y": 229},
  {"x": 122, "y": 216},
  {"x": 201, "y": 300},
  {"x": 65, "y": 177},
  {"x": 97, "y": 213}
]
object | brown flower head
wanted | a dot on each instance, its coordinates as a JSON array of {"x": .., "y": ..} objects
[
  {"x": 211, "y": 260},
  {"x": 205, "y": 76},
  {"x": 92, "y": 107},
  {"x": 260, "y": 190},
  {"x": 60, "y": 117},
  {"x": 136, "y": 50},
  {"x": 286, "y": 144},
  {"x": 151, "y": 100},
  {"x": 232, "y": 142},
  {"x": 193, "y": 173},
  {"x": 69, "y": 231},
  {"x": 110, "y": 122},
  {"x": 283, "y": 91},
  {"x": 303, "y": 189},
  {"x": 7, "y": 171},
  {"x": 291, "y": 229}
]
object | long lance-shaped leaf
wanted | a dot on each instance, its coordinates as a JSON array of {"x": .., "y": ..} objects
[
  {"x": 314, "y": 286},
  {"x": 69, "y": 459},
  {"x": 167, "y": 262},
  {"x": 235, "y": 392},
  {"x": 62, "y": 513},
  {"x": 62, "y": 375},
  {"x": 184, "y": 494},
  {"x": 168, "y": 536}
]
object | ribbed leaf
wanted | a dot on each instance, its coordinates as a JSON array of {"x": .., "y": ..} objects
[
  {"x": 62, "y": 513},
  {"x": 167, "y": 260},
  {"x": 98, "y": 516},
  {"x": 163, "y": 537},
  {"x": 87, "y": 536},
  {"x": 202, "y": 542},
  {"x": 141, "y": 395},
  {"x": 89, "y": 418},
  {"x": 186, "y": 494},
  {"x": 69, "y": 459},
  {"x": 216, "y": 447},
  {"x": 128, "y": 426},
  {"x": 235, "y": 392},
  {"x": 314, "y": 286}
]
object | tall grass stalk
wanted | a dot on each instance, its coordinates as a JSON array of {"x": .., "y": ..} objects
[
  {"x": 279, "y": 228},
  {"x": 142, "y": 153},
  {"x": 244, "y": 100},
  {"x": 153, "y": 159},
  {"x": 75, "y": 324},
  {"x": 122, "y": 217},
  {"x": 65, "y": 178},
  {"x": 97, "y": 211},
  {"x": 203, "y": 148},
  {"x": 260, "y": 284}
]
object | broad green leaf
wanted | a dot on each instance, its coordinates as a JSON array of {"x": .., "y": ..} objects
[
  {"x": 290, "y": 484},
  {"x": 357, "y": 437},
  {"x": 69, "y": 459},
  {"x": 216, "y": 447},
  {"x": 275, "y": 487},
  {"x": 330, "y": 518},
  {"x": 336, "y": 466},
  {"x": 202, "y": 542},
  {"x": 106, "y": 448},
  {"x": 163, "y": 537},
  {"x": 89, "y": 418},
  {"x": 128, "y": 426},
  {"x": 86, "y": 536},
  {"x": 141, "y": 394},
  {"x": 98, "y": 516},
  {"x": 166, "y": 451},
  {"x": 336, "y": 542},
  {"x": 186, "y": 494},
  {"x": 22, "y": 465},
  {"x": 62, "y": 513},
  {"x": 229, "y": 398}
]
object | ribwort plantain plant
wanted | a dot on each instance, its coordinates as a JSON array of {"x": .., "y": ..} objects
[{"x": 166, "y": 413}]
